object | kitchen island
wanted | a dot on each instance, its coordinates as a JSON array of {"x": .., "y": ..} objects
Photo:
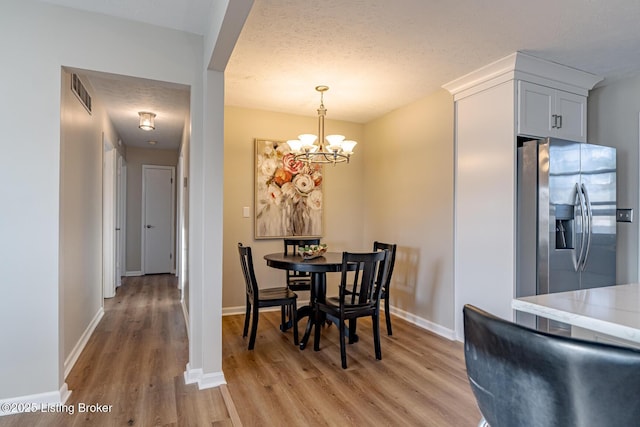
[{"x": 608, "y": 314}]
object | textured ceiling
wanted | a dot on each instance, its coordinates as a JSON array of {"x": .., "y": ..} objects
[
  {"x": 124, "y": 97},
  {"x": 378, "y": 55}
]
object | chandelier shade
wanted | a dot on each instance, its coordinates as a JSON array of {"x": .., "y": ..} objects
[
  {"x": 319, "y": 149},
  {"x": 147, "y": 120}
]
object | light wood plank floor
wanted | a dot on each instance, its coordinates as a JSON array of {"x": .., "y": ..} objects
[
  {"x": 135, "y": 362},
  {"x": 420, "y": 380}
]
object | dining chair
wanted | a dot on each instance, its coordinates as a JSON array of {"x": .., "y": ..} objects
[
  {"x": 257, "y": 298},
  {"x": 365, "y": 286},
  {"x": 523, "y": 377},
  {"x": 298, "y": 280},
  {"x": 380, "y": 246}
]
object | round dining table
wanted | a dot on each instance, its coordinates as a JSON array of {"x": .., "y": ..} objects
[{"x": 318, "y": 267}]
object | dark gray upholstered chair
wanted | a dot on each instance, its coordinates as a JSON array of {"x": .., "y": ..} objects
[
  {"x": 523, "y": 377},
  {"x": 268, "y": 297}
]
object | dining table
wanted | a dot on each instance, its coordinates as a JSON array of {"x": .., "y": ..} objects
[{"x": 329, "y": 262}]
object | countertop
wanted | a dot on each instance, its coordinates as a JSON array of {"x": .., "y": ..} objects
[{"x": 612, "y": 310}]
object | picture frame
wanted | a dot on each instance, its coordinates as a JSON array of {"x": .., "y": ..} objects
[{"x": 289, "y": 195}]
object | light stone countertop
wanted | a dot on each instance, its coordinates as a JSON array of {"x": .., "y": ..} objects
[{"x": 611, "y": 310}]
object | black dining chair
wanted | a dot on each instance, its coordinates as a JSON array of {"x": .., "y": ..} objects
[
  {"x": 363, "y": 299},
  {"x": 298, "y": 280},
  {"x": 379, "y": 246},
  {"x": 257, "y": 298},
  {"x": 523, "y": 377}
]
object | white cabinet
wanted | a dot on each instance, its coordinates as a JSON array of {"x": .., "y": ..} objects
[{"x": 544, "y": 111}]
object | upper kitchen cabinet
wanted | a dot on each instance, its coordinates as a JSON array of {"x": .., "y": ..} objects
[{"x": 544, "y": 111}]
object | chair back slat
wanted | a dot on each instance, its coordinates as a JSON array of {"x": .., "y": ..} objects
[
  {"x": 380, "y": 246},
  {"x": 246, "y": 262},
  {"x": 360, "y": 287}
]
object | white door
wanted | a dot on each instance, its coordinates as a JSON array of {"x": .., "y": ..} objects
[
  {"x": 157, "y": 219},
  {"x": 108, "y": 220}
]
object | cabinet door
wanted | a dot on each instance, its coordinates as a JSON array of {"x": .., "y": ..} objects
[
  {"x": 535, "y": 108},
  {"x": 572, "y": 116}
]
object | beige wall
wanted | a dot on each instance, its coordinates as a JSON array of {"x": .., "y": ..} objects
[
  {"x": 136, "y": 157},
  {"x": 408, "y": 184},
  {"x": 343, "y": 194},
  {"x": 397, "y": 188},
  {"x": 81, "y": 210}
]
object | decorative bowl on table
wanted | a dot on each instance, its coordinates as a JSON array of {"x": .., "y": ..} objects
[{"x": 312, "y": 251}]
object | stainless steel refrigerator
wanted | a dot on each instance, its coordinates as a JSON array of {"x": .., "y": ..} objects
[{"x": 566, "y": 219}]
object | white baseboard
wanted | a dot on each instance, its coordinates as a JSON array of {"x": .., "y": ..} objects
[
  {"x": 82, "y": 342},
  {"x": 53, "y": 401},
  {"x": 133, "y": 273},
  {"x": 447, "y": 333},
  {"x": 214, "y": 379}
]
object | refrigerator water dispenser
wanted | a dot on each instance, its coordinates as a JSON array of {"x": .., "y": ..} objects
[{"x": 564, "y": 226}]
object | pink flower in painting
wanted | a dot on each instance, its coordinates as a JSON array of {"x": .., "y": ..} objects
[{"x": 291, "y": 164}]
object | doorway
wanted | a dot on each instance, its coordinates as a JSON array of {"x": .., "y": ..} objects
[{"x": 158, "y": 212}]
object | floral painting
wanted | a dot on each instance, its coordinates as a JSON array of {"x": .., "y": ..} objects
[{"x": 288, "y": 193}]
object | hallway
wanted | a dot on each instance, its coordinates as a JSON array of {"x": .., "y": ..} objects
[{"x": 131, "y": 370}]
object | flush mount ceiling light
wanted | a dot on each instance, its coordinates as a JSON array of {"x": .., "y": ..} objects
[
  {"x": 335, "y": 150},
  {"x": 147, "y": 120}
]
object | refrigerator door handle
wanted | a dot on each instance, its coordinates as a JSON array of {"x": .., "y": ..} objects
[
  {"x": 589, "y": 228},
  {"x": 578, "y": 262}
]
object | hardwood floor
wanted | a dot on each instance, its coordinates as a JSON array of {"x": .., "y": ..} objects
[
  {"x": 141, "y": 335},
  {"x": 420, "y": 380}
]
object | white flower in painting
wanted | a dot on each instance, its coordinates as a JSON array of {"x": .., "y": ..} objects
[
  {"x": 267, "y": 166},
  {"x": 304, "y": 184},
  {"x": 289, "y": 192},
  {"x": 283, "y": 149},
  {"x": 315, "y": 200}
]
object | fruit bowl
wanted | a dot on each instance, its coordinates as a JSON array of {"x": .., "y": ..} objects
[{"x": 312, "y": 251}]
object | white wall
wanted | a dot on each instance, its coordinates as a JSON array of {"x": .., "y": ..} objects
[
  {"x": 81, "y": 155},
  {"x": 485, "y": 202},
  {"x": 37, "y": 39},
  {"x": 613, "y": 121}
]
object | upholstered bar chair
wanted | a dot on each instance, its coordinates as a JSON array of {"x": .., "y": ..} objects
[{"x": 523, "y": 377}]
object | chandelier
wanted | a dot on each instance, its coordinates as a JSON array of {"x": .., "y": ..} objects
[{"x": 330, "y": 149}]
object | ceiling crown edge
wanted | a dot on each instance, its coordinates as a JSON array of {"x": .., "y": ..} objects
[{"x": 519, "y": 65}]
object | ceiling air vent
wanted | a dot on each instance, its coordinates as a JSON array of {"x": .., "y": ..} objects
[{"x": 78, "y": 88}]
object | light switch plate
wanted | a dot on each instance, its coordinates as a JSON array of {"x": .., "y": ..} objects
[
  {"x": 624, "y": 215},
  {"x": 245, "y": 212}
]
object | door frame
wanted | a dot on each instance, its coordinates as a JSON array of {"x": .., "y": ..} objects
[
  {"x": 144, "y": 212},
  {"x": 108, "y": 218},
  {"x": 121, "y": 218}
]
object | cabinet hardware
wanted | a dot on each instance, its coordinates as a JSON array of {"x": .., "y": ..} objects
[
  {"x": 559, "y": 121},
  {"x": 555, "y": 121}
]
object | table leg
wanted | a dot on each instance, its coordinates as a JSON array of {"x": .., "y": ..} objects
[{"x": 318, "y": 293}]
